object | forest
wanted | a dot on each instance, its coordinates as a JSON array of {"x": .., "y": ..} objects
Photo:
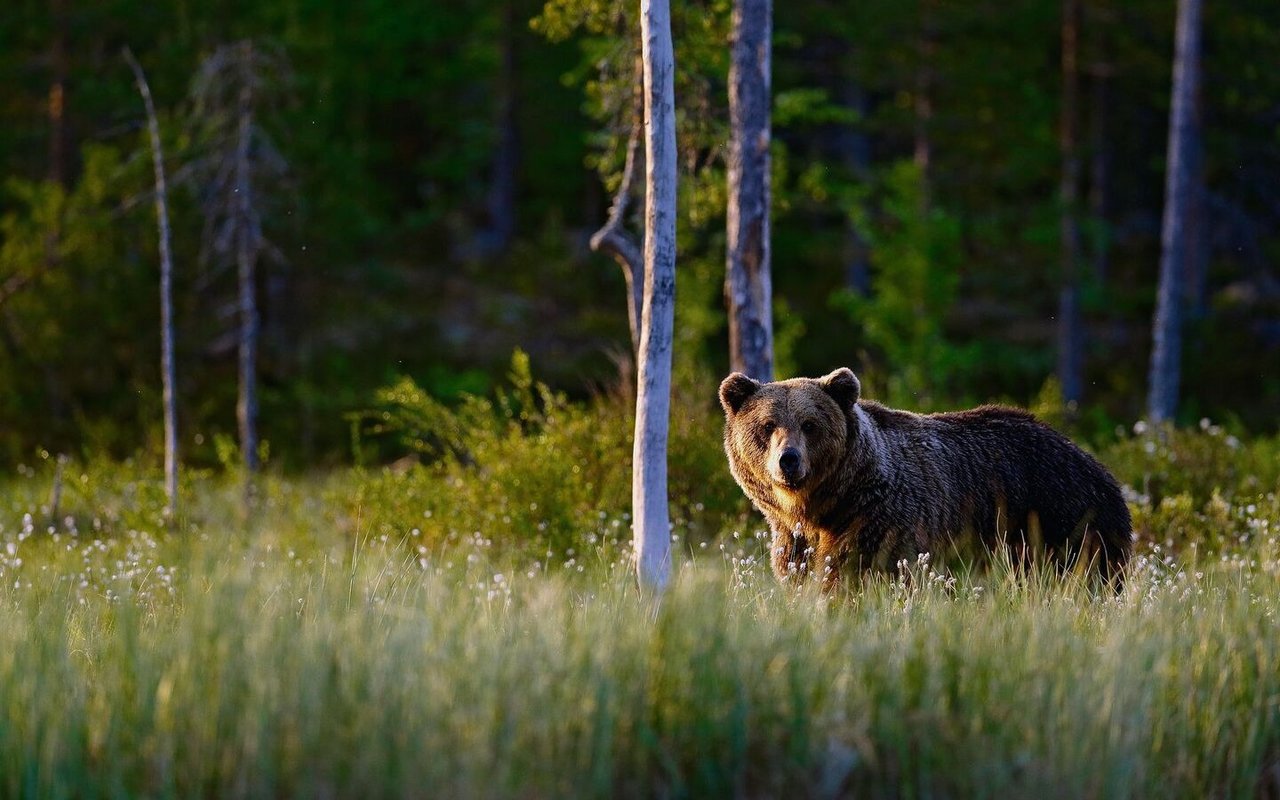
[
  {"x": 364, "y": 426},
  {"x": 429, "y": 177}
]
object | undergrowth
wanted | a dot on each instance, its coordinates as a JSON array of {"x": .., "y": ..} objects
[
  {"x": 465, "y": 623},
  {"x": 269, "y": 664}
]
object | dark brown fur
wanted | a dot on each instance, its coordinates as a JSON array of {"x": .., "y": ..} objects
[{"x": 848, "y": 483}]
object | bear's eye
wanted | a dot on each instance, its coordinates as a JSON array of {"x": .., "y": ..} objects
[
  {"x": 769, "y": 428},
  {"x": 809, "y": 426}
]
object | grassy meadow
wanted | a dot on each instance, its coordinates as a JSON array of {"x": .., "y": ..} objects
[{"x": 468, "y": 626}]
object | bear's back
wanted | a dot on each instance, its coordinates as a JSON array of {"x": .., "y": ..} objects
[{"x": 992, "y": 467}]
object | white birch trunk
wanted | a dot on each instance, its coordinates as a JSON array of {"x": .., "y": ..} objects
[
  {"x": 748, "y": 283},
  {"x": 167, "y": 368},
  {"x": 1166, "y": 350},
  {"x": 649, "y": 510}
]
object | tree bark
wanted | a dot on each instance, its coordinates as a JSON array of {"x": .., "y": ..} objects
[
  {"x": 57, "y": 101},
  {"x": 502, "y": 184},
  {"x": 748, "y": 283},
  {"x": 1196, "y": 229},
  {"x": 167, "y": 367},
  {"x": 1166, "y": 351},
  {"x": 653, "y": 387},
  {"x": 246, "y": 260},
  {"x": 1070, "y": 327},
  {"x": 1100, "y": 170}
]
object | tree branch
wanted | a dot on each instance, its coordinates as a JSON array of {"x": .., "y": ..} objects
[
  {"x": 613, "y": 239},
  {"x": 17, "y": 282}
]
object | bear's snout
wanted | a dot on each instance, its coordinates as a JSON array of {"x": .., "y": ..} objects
[{"x": 791, "y": 466}]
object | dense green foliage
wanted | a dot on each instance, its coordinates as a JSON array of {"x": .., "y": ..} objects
[
  {"x": 535, "y": 471},
  {"x": 393, "y": 120},
  {"x": 325, "y": 647}
]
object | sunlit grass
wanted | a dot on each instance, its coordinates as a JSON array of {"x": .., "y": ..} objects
[{"x": 286, "y": 656}]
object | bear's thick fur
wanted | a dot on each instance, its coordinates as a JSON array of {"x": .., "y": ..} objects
[{"x": 848, "y": 483}]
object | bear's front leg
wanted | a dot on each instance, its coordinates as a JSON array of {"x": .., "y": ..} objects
[
  {"x": 828, "y": 562},
  {"x": 792, "y": 555}
]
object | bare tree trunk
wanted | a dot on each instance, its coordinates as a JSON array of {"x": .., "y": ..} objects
[
  {"x": 653, "y": 387},
  {"x": 1166, "y": 351},
  {"x": 167, "y": 368},
  {"x": 58, "y": 136},
  {"x": 613, "y": 238},
  {"x": 1100, "y": 170},
  {"x": 58, "y": 94},
  {"x": 748, "y": 284},
  {"x": 502, "y": 184},
  {"x": 1070, "y": 327},
  {"x": 1196, "y": 228},
  {"x": 246, "y": 258}
]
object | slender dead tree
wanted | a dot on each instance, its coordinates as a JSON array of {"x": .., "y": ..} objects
[
  {"x": 167, "y": 367},
  {"x": 748, "y": 285},
  {"x": 501, "y": 200},
  {"x": 649, "y": 510},
  {"x": 1196, "y": 227},
  {"x": 1070, "y": 326},
  {"x": 1166, "y": 351},
  {"x": 233, "y": 89},
  {"x": 246, "y": 270}
]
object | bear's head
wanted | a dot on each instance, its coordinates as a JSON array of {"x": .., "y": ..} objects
[{"x": 788, "y": 435}]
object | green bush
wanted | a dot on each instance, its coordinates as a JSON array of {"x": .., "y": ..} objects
[
  {"x": 1198, "y": 489},
  {"x": 531, "y": 472},
  {"x": 276, "y": 665},
  {"x": 1164, "y": 461}
]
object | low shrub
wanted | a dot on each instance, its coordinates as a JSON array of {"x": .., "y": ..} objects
[
  {"x": 1197, "y": 491},
  {"x": 530, "y": 471},
  {"x": 1163, "y": 461}
]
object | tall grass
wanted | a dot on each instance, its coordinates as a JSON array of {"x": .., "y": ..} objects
[
  {"x": 267, "y": 666},
  {"x": 468, "y": 627}
]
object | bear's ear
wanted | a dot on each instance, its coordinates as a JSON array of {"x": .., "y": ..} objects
[
  {"x": 843, "y": 386},
  {"x": 735, "y": 390}
]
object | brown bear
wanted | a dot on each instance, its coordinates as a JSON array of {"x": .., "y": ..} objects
[{"x": 849, "y": 483}]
